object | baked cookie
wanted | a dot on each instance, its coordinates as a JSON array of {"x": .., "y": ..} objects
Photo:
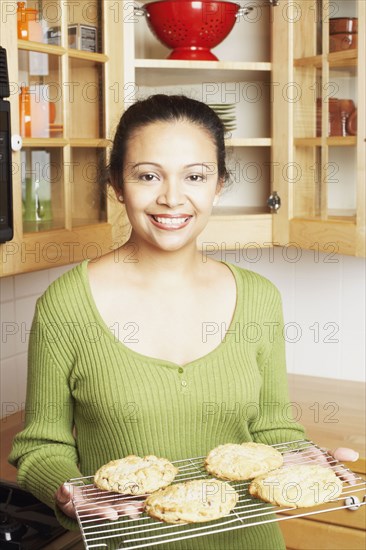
[
  {"x": 297, "y": 486},
  {"x": 192, "y": 501},
  {"x": 237, "y": 462},
  {"x": 134, "y": 475}
]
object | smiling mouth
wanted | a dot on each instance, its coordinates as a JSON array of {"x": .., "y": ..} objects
[{"x": 170, "y": 222}]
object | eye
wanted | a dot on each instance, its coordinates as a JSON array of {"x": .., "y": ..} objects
[
  {"x": 196, "y": 177},
  {"x": 147, "y": 177}
]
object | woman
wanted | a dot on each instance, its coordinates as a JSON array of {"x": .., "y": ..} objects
[{"x": 147, "y": 350}]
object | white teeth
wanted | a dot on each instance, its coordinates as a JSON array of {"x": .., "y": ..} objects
[{"x": 170, "y": 221}]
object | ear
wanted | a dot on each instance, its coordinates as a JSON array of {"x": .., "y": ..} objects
[{"x": 118, "y": 194}]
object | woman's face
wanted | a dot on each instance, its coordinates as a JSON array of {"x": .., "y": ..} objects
[{"x": 169, "y": 183}]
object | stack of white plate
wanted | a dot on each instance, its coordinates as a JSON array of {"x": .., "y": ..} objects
[{"x": 226, "y": 111}]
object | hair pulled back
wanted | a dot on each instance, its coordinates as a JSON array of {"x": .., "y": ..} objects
[{"x": 164, "y": 108}]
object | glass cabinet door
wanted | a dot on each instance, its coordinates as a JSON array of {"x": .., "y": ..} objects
[
  {"x": 326, "y": 158},
  {"x": 62, "y": 58},
  {"x": 61, "y": 113},
  {"x": 43, "y": 199},
  {"x": 88, "y": 185}
]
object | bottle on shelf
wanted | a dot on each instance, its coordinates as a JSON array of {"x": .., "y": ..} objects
[{"x": 29, "y": 27}]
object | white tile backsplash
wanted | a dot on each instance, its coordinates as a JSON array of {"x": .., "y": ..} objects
[
  {"x": 10, "y": 395},
  {"x": 21, "y": 367},
  {"x": 57, "y": 272},
  {"x": 24, "y": 311},
  {"x": 30, "y": 284},
  {"x": 353, "y": 293},
  {"x": 323, "y": 297},
  {"x": 6, "y": 289},
  {"x": 9, "y": 330},
  {"x": 316, "y": 289}
]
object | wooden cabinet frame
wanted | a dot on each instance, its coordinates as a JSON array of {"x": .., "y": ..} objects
[
  {"x": 226, "y": 230},
  {"x": 297, "y": 222},
  {"x": 46, "y": 249}
]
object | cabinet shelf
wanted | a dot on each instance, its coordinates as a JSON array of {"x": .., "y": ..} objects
[
  {"x": 199, "y": 65},
  {"x": 195, "y": 72},
  {"x": 335, "y": 141},
  {"x": 339, "y": 141},
  {"x": 345, "y": 58},
  {"x": 238, "y": 212},
  {"x": 311, "y": 61},
  {"x": 88, "y": 56},
  {"x": 51, "y": 49},
  {"x": 347, "y": 216},
  {"x": 89, "y": 142},
  {"x": 61, "y": 142},
  {"x": 45, "y": 142},
  {"x": 39, "y": 47},
  {"x": 57, "y": 231}
]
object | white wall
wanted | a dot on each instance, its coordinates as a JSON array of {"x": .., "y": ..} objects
[
  {"x": 326, "y": 292},
  {"x": 324, "y": 308},
  {"x": 18, "y": 297}
]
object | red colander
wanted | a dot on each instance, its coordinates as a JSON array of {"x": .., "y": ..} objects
[{"x": 191, "y": 28}]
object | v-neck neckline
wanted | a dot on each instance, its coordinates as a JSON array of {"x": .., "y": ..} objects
[{"x": 218, "y": 349}]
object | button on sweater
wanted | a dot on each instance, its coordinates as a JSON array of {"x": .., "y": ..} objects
[{"x": 91, "y": 399}]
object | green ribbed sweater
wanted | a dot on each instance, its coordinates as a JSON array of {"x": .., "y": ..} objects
[{"x": 82, "y": 380}]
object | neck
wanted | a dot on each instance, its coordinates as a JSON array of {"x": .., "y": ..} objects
[{"x": 167, "y": 265}]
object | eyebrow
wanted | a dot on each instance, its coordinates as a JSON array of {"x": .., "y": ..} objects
[{"x": 159, "y": 165}]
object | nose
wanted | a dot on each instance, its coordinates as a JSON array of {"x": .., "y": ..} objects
[{"x": 172, "y": 193}]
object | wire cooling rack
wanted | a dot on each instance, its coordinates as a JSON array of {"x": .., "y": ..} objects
[{"x": 127, "y": 534}]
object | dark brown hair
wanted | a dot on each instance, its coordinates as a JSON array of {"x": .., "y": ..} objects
[{"x": 164, "y": 108}]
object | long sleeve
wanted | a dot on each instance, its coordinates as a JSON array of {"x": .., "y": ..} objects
[
  {"x": 274, "y": 423},
  {"x": 45, "y": 451}
]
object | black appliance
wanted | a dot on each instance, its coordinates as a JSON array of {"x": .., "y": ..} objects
[
  {"x": 25, "y": 522},
  {"x": 6, "y": 184}
]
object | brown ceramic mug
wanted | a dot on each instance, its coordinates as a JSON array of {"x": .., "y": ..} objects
[
  {"x": 343, "y": 24},
  {"x": 343, "y": 41},
  {"x": 340, "y": 114},
  {"x": 352, "y": 124}
]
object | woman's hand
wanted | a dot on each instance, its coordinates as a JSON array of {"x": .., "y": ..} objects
[
  {"x": 313, "y": 454},
  {"x": 66, "y": 492}
]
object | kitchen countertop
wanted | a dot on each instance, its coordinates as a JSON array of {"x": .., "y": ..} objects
[{"x": 332, "y": 411}]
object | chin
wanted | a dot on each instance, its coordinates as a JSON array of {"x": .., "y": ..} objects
[
  {"x": 173, "y": 244},
  {"x": 173, "y": 247}
]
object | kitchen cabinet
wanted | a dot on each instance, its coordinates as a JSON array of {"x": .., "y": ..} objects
[
  {"x": 61, "y": 61},
  {"x": 273, "y": 66},
  {"x": 325, "y": 183},
  {"x": 242, "y": 77}
]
